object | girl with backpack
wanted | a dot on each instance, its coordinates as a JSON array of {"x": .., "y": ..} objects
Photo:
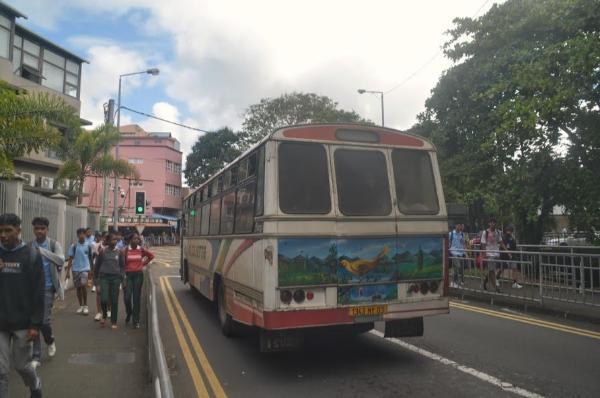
[{"x": 136, "y": 258}]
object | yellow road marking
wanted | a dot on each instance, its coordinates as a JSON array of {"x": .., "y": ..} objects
[
  {"x": 166, "y": 264},
  {"x": 185, "y": 348},
  {"x": 528, "y": 320},
  {"x": 208, "y": 370}
]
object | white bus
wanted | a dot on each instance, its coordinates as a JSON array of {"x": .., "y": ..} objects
[{"x": 321, "y": 226}]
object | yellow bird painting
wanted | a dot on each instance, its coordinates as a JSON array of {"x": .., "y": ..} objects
[{"x": 361, "y": 267}]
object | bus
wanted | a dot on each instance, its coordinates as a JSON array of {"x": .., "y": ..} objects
[{"x": 321, "y": 226}]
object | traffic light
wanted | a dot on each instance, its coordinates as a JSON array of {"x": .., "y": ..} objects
[{"x": 140, "y": 202}]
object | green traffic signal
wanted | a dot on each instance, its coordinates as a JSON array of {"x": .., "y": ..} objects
[
  {"x": 193, "y": 213},
  {"x": 140, "y": 209}
]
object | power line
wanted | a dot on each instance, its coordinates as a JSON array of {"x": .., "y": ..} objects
[
  {"x": 165, "y": 120},
  {"x": 430, "y": 60}
]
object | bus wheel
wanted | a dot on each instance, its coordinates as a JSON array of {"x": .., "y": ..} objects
[{"x": 225, "y": 320}]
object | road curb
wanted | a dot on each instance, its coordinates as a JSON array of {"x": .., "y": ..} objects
[{"x": 585, "y": 314}]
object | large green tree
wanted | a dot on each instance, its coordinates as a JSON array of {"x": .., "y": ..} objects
[
  {"x": 28, "y": 123},
  {"x": 89, "y": 155},
  {"x": 209, "y": 154},
  {"x": 526, "y": 75},
  {"x": 289, "y": 109}
]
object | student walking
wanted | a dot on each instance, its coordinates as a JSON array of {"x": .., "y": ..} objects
[
  {"x": 53, "y": 259},
  {"x": 110, "y": 271},
  {"x": 136, "y": 258},
  {"x": 457, "y": 240},
  {"x": 491, "y": 241},
  {"x": 21, "y": 306},
  {"x": 80, "y": 259}
]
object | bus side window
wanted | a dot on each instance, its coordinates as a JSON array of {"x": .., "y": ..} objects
[
  {"x": 227, "y": 208},
  {"x": 215, "y": 214},
  {"x": 204, "y": 219},
  {"x": 244, "y": 210},
  {"x": 260, "y": 183},
  {"x": 197, "y": 219}
]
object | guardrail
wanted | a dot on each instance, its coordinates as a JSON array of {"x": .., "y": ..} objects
[
  {"x": 533, "y": 276},
  {"x": 159, "y": 371}
]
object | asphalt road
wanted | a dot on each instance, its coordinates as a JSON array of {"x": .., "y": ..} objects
[{"x": 475, "y": 351}]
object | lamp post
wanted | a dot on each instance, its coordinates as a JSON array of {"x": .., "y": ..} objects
[
  {"x": 362, "y": 91},
  {"x": 153, "y": 72}
]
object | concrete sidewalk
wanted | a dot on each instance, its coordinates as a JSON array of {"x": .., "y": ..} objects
[{"x": 91, "y": 361}]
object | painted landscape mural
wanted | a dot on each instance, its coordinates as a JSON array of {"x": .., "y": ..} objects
[{"x": 316, "y": 261}]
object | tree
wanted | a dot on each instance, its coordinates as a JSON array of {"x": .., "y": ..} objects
[
  {"x": 90, "y": 156},
  {"x": 209, "y": 154},
  {"x": 27, "y": 123},
  {"x": 525, "y": 75},
  {"x": 289, "y": 109}
]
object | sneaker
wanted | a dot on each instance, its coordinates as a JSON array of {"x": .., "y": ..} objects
[
  {"x": 517, "y": 286},
  {"x": 137, "y": 325},
  {"x": 86, "y": 310},
  {"x": 114, "y": 326},
  {"x": 80, "y": 310},
  {"x": 108, "y": 314},
  {"x": 36, "y": 363},
  {"x": 52, "y": 350},
  {"x": 94, "y": 289},
  {"x": 98, "y": 316}
]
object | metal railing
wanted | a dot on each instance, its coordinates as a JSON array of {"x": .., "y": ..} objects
[
  {"x": 75, "y": 219},
  {"x": 532, "y": 275},
  {"x": 159, "y": 371},
  {"x": 35, "y": 205}
]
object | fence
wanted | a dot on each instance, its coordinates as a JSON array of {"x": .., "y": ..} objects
[
  {"x": 38, "y": 206},
  {"x": 159, "y": 372},
  {"x": 75, "y": 219},
  {"x": 540, "y": 276}
]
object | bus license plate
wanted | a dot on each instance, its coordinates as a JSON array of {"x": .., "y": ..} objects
[{"x": 368, "y": 311}]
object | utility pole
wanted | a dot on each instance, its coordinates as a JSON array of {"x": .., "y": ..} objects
[{"x": 109, "y": 120}]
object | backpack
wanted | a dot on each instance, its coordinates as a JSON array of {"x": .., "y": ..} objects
[{"x": 496, "y": 232}]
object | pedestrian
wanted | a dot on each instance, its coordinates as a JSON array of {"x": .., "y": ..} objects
[
  {"x": 95, "y": 244},
  {"x": 491, "y": 242},
  {"x": 53, "y": 259},
  {"x": 21, "y": 306},
  {"x": 120, "y": 242},
  {"x": 110, "y": 268},
  {"x": 89, "y": 236},
  {"x": 510, "y": 244},
  {"x": 136, "y": 258},
  {"x": 100, "y": 246},
  {"x": 457, "y": 243},
  {"x": 80, "y": 259}
]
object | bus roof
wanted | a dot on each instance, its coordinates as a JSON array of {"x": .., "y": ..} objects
[{"x": 327, "y": 133}]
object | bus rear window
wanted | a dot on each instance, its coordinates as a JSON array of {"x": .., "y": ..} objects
[
  {"x": 415, "y": 185},
  {"x": 362, "y": 183},
  {"x": 303, "y": 179}
]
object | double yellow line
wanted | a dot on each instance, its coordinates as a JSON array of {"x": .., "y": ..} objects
[
  {"x": 528, "y": 320},
  {"x": 175, "y": 309}
]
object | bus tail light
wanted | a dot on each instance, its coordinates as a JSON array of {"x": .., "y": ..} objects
[
  {"x": 285, "y": 296},
  {"x": 299, "y": 296},
  {"x": 310, "y": 296}
]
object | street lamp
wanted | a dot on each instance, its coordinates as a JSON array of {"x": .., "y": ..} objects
[
  {"x": 362, "y": 91},
  {"x": 153, "y": 72}
]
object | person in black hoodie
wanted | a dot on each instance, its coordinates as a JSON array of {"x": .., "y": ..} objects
[{"x": 21, "y": 304}]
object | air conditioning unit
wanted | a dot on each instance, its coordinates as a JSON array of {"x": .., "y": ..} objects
[
  {"x": 47, "y": 182},
  {"x": 30, "y": 179}
]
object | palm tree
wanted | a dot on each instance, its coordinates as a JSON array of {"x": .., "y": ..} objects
[
  {"x": 26, "y": 123},
  {"x": 90, "y": 156}
]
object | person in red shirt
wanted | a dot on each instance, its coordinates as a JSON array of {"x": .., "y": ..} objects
[{"x": 136, "y": 258}]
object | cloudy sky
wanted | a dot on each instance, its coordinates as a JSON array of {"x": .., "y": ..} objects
[{"x": 218, "y": 57}]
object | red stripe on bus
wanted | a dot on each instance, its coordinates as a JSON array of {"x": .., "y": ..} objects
[{"x": 327, "y": 133}]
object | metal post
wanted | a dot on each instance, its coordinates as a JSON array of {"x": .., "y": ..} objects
[
  {"x": 382, "y": 119},
  {"x": 541, "y": 279},
  {"x": 115, "y": 187}
]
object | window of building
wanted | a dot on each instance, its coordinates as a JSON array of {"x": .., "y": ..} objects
[
  {"x": 303, "y": 178},
  {"x": 227, "y": 213},
  {"x": 72, "y": 78},
  {"x": 5, "y": 29},
  {"x": 136, "y": 161},
  {"x": 172, "y": 190},
  {"x": 362, "y": 183},
  {"x": 415, "y": 184},
  {"x": 137, "y": 184},
  {"x": 53, "y": 71},
  {"x": 215, "y": 213},
  {"x": 173, "y": 167},
  {"x": 244, "y": 211},
  {"x": 205, "y": 216}
]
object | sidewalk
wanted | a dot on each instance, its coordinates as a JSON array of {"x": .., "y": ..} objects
[{"x": 91, "y": 361}]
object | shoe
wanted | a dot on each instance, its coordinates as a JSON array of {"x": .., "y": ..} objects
[
  {"x": 86, "y": 310},
  {"x": 52, "y": 350},
  {"x": 137, "y": 325},
  {"x": 94, "y": 289},
  {"x": 80, "y": 310},
  {"x": 98, "y": 316},
  {"x": 454, "y": 285},
  {"x": 517, "y": 286},
  {"x": 108, "y": 314},
  {"x": 36, "y": 363},
  {"x": 114, "y": 326},
  {"x": 497, "y": 283}
]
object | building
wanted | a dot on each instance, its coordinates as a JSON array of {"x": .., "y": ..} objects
[
  {"x": 157, "y": 157},
  {"x": 32, "y": 63}
]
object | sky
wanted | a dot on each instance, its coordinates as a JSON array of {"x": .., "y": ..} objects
[{"x": 216, "y": 58}]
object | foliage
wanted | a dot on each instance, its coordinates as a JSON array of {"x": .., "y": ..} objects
[
  {"x": 289, "y": 109},
  {"x": 27, "y": 123},
  {"x": 526, "y": 75},
  {"x": 90, "y": 155},
  {"x": 209, "y": 154}
]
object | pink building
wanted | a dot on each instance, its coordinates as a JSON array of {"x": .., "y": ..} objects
[{"x": 158, "y": 160}]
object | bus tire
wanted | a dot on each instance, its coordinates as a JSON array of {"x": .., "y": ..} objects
[{"x": 228, "y": 325}]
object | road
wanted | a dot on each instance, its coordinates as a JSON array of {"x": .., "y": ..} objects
[{"x": 472, "y": 352}]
